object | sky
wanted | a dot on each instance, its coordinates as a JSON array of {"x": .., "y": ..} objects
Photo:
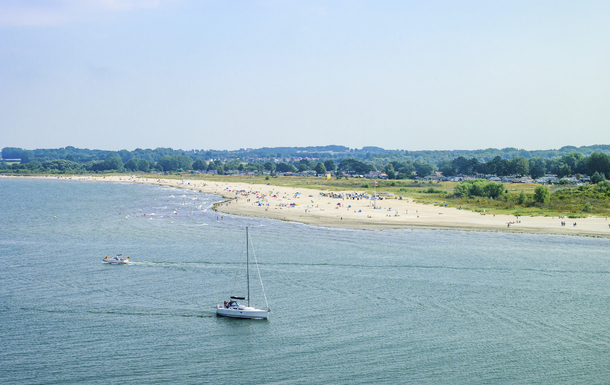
[{"x": 225, "y": 75}]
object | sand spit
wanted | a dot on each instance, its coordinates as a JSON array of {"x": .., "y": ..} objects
[{"x": 350, "y": 209}]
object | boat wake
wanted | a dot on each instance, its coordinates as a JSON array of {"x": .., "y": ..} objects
[{"x": 202, "y": 314}]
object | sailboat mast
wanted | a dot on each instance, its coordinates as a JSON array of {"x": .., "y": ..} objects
[{"x": 248, "y": 263}]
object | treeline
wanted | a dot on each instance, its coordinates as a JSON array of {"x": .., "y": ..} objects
[
  {"x": 70, "y": 159},
  {"x": 483, "y": 155},
  {"x": 181, "y": 163},
  {"x": 83, "y": 155},
  {"x": 567, "y": 164},
  {"x": 368, "y": 154}
]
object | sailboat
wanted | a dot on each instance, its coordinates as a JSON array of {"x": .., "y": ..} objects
[{"x": 233, "y": 308}]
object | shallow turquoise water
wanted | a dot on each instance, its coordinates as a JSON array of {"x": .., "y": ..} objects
[{"x": 400, "y": 306}]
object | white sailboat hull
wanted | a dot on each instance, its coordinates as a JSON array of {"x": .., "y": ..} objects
[{"x": 246, "y": 312}]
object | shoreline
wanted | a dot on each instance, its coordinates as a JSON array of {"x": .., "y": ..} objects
[{"x": 347, "y": 209}]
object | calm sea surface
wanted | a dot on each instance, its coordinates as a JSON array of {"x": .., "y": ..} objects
[{"x": 348, "y": 307}]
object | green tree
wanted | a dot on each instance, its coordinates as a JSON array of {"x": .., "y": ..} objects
[
  {"x": 537, "y": 167},
  {"x": 462, "y": 190},
  {"x": 423, "y": 169},
  {"x": 354, "y": 166},
  {"x": 521, "y": 198},
  {"x": 330, "y": 165},
  {"x": 184, "y": 162},
  {"x": 596, "y": 162},
  {"x": 498, "y": 166},
  {"x": 175, "y": 162},
  {"x": 11, "y": 153},
  {"x": 303, "y": 165},
  {"x": 58, "y": 164},
  {"x": 168, "y": 163},
  {"x": 478, "y": 188},
  {"x": 132, "y": 165},
  {"x": 542, "y": 194},
  {"x": 112, "y": 163},
  {"x": 447, "y": 168},
  {"x": 537, "y": 171},
  {"x": 252, "y": 167},
  {"x": 143, "y": 165},
  {"x": 200, "y": 165},
  {"x": 389, "y": 170},
  {"x": 576, "y": 162},
  {"x": 214, "y": 165},
  {"x": 493, "y": 190},
  {"x": 563, "y": 170},
  {"x": 233, "y": 164},
  {"x": 597, "y": 177},
  {"x": 403, "y": 170},
  {"x": 125, "y": 155},
  {"x": 464, "y": 166},
  {"x": 320, "y": 169},
  {"x": 269, "y": 166},
  {"x": 26, "y": 156},
  {"x": 285, "y": 167},
  {"x": 519, "y": 166}
]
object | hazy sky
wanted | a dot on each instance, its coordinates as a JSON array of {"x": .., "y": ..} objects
[{"x": 414, "y": 75}]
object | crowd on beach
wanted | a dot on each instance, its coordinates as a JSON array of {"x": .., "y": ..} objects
[{"x": 357, "y": 209}]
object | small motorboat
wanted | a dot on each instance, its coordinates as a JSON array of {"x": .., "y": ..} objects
[{"x": 117, "y": 260}]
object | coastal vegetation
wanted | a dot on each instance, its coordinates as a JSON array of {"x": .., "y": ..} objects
[
  {"x": 567, "y": 164},
  {"x": 369, "y": 154},
  {"x": 396, "y": 165}
]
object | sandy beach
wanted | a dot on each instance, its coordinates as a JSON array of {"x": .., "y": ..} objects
[{"x": 350, "y": 210}]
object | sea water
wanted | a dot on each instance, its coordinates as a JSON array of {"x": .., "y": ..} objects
[{"x": 347, "y": 306}]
